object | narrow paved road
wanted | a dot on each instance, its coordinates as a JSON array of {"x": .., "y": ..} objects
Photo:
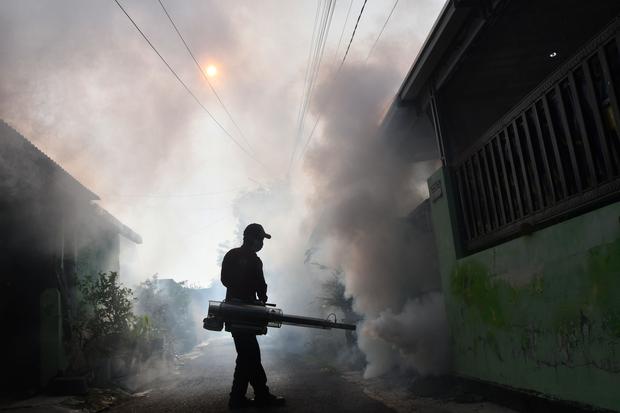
[{"x": 203, "y": 383}]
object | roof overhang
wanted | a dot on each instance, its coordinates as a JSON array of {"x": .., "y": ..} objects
[
  {"x": 118, "y": 226},
  {"x": 482, "y": 57},
  {"x": 18, "y": 149},
  {"x": 452, "y": 18}
]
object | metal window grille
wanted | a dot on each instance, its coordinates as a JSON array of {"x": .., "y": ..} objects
[{"x": 554, "y": 155}]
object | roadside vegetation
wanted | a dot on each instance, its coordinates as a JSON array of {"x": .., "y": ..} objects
[{"x": 117, "y": 332}]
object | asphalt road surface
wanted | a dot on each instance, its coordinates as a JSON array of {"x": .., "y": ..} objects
[
  {"x": 200, "y": 382},
  {"x": 203, "y": 381}
]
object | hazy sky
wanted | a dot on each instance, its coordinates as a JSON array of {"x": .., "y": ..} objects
[{"x": 80, "y": 82}]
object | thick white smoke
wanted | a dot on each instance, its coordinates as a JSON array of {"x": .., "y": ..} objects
[
  {"x": 349, "y": 209},
  {"x": 363, "y": 190},
  {"x": 83, "y": 85},
  {"x": 416, "y": 337}
]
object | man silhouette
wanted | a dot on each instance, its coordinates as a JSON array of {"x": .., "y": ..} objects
[{"x": 242, "y": 275}]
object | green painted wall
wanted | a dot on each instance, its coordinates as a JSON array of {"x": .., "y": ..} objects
[{"x": 540, "y": 312}]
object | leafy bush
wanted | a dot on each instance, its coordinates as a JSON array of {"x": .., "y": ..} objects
[
  {"x": 111, "y": 303},
  {"x": 104, "y": 308},
  {"x": 102, "y": 326},
  {"x": 116, "y": 333},
  {"x": 166, "y": 303}
]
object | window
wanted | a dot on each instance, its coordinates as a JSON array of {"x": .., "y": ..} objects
[{"x": 558, "y": 153}]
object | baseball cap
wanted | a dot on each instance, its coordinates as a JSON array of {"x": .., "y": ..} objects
[{"x": 255, "y": 230}]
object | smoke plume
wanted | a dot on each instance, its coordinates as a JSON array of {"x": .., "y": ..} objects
[
  {"x": 363, "y": 192},
  {"x": 83, "y": 85}
]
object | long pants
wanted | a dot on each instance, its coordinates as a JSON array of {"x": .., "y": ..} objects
[{"x": 248, "y": 368}]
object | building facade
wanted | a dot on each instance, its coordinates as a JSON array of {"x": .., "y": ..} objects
[
  {"x": 520, "y": 99},
  {"x": 52, "y": 233}
]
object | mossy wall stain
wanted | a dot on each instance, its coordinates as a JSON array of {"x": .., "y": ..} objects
[
  {"x": 472, "y": 284},
  {"x": 574, "y": 327},
  {"x": 603, "y": 269},
  {"x": 540, "y": 312}
]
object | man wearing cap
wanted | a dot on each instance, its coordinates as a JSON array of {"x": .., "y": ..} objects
[{"x": 242, "y": 275}]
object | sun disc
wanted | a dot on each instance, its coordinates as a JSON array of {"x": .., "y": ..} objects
[{"x": 211, "y": 70}]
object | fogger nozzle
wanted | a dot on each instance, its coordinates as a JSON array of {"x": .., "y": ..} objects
[{"x": 238, "y": 316}]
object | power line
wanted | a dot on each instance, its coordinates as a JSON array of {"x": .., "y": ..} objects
[
  {"x": 303, "y": 151},
  {"x": 200, "y": 230},
  {"x": 172, "y": 196},
  {"x": 319, "y": 53},
  {"x": 353, "y": 34},
  {"x": 382, "y": 29},
  {"x": 204, "y": 75},
  {"x": 320, "y": 48},
  {"x": 309, "y": 70},
  {"x": 344, "y": 26},
  {"x": 314, "y": 69},
  {"x": 187, "y": 88},
  {"x": 308, "y": 64}
]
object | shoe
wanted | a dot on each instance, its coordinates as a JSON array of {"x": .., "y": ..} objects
[
  {"x": 269, "y": 400},
  {"x": 235, "y": 403}
]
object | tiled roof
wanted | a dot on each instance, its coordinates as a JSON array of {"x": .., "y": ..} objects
[
  {"x": 15, "y": 145},
  {"x": 9, "y": 136},
  {"x": 122, "y": 229}
]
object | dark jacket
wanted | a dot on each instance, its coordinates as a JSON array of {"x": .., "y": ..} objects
[{"x": 242, "y": 275}]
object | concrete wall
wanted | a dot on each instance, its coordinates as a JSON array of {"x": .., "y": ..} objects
[
  {"x": 50, "y": 336},
  {"x": 98, "y": 252},
  {"x": 540, "y": 312}
]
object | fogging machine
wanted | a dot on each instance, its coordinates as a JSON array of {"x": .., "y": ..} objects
[{"x": 237, "y": 316}]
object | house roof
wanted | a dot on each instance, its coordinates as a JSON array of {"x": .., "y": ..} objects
[
  {"x": 121, "y": 228},
  {"x": 15, "y": 149},
  {"x": 482, "y": 58},
  {"x": 444, "y": 30},
  {"x": 16, "y": 146}
]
